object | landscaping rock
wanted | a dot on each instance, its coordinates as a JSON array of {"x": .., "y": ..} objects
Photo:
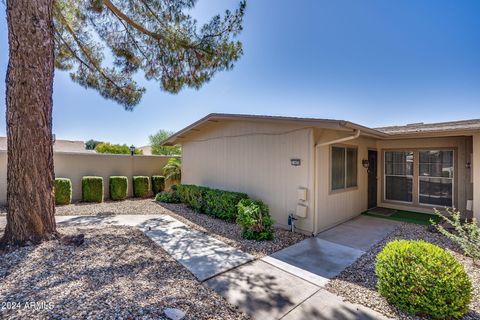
[
  {"x": 357, "y": 283},
  {"x": 174, "y": 314},
  {"x": 118, "y": 273}
]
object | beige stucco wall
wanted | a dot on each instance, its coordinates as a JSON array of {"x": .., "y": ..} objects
[
  {"x": 463, "y": 187},
  {"x": 338, "y": 206},
  {"x": 76, "y": 165},
  {"x": 476, "y": 176},
  {"x": 254, "y": 158}
]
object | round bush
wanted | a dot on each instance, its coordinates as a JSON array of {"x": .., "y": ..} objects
[
  {"x": 118, "y": 187},
  {"x": 63, "y": 191},
  {"x": 141, "y": 186},
  {"x": 92, "y": 189},
  {"x": 423, "y": 279},
  {"x": 158, "y": 184}
]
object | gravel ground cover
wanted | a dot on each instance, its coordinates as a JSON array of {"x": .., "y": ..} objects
[
  {"x": 230, "y": 232},
  {"x": 357, "y": 283},
  {"x": 118, "y": 273},
  {"x": 227, "y": 232},
  {"x": 128, "y": 206}
]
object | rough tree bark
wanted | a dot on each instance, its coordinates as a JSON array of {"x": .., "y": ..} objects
[{"x": 30, "y": 174}]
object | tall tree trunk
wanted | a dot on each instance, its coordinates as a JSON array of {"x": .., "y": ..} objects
[{"x": 30, "y": 175}]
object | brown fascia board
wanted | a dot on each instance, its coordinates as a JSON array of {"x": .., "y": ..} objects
[
  {"x": 311, "y": 122},
  {"x": 432, "y": 134}
]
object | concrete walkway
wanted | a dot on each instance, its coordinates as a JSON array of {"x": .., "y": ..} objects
[
  {"x": 285, "y": 285},
  {"x": 200, "y": 253},
  {"x": 289, "y": 283}
]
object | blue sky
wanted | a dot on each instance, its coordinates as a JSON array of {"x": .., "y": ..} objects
[{"x": 371, "y": 62}]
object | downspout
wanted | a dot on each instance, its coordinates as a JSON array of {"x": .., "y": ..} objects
[
  {"x": 355, "y": 136},
  {"x": 315, "y": 170}
]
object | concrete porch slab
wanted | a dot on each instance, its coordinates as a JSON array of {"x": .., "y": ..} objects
[
  {"x": 262, "y": 290},
  {"x": 361, "y": 232},
  {"x": 324, "y": 305},
  {"x": 315, "y": 260}
]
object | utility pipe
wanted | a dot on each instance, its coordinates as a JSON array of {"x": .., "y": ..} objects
[{"x": 355, "y": 136}]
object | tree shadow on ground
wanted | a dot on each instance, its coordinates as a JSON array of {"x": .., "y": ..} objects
[{"x": 117, "y": 272}]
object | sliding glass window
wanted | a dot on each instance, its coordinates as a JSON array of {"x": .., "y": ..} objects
[
  {"x": 344, "y": 168},
  {"x": 399, "y": 176},
  {"x": 436, "y": 177}
]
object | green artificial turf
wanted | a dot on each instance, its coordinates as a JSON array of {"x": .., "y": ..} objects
[{"x": 408, "y": 216}]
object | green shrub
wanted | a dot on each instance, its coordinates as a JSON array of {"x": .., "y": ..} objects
[
  {"x": 141, "y": 186},
  {"x": 158, "y": 184},
  {"x": 63, "y": 191},
  {"x": 222, "y": 204},
  {"x": 92, "y": 189},
  {"x": 118, "y": 187},
  {"x": 167, "y": 197},
  {"x": 421, "y": 278},
  {"x": 255, "y": 220},
  {"x": 192, "y": 195}
]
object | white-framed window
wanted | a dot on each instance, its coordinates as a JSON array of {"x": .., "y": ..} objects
[
  {"x": 344, "y": 167},
  {"x": 398, "y": 176},
  {"x": 436, "y": 173}
]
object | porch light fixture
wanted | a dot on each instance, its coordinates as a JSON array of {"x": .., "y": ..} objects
[
  {"x": 365, "y": 163},
  {"x": 132, "y": 150}
]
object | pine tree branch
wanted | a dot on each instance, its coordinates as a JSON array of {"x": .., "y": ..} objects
[
  {"x": 87, "y": 55},
  {"x": 121, "y": 16}
]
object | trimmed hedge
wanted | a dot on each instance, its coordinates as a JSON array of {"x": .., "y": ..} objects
[
  {"x": 167, "y": 197},
  {"x": 141, "y": 186},
  {"x": 92, "y": 189},
  {"x": 423, "y": 279},
  {"x": 63, "y": 191},
  {"x": 118, "y": 187},
  {"x": 218, "y": 203},
  {"x": 158, "y": 184},
  {"x": 255, "y": 220}
]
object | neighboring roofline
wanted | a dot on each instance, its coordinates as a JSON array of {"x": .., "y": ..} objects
[{"x": 314, "y": 122}]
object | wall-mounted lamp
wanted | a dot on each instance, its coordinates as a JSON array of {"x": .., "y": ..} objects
[
  {"x": 132, "y": 150},
  {"x": 365, "y": 163}
]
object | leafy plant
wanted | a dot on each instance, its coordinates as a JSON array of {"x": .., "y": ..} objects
[
  {"x": 255, "y": 220},
  {"x": 158, "y": 184},
  {"x": 157, "y": 148},
  {"x": 423, "y": 279},
  {"x": 167, "y": 197},
  {"x": 63, "y": 191},
  {"x": 118, "y": 187},
  {"x": 92, "y": 189},
  {"x": 141, "y": 186},
  {"x": 173, "y": 169},
  {"x": 107, "y": 147},
  {"x": 466, "y": 235}
]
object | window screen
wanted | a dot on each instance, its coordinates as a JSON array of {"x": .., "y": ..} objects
[
  {"x": 436, "y": 177},
  {"x": 399, "y": 175}
]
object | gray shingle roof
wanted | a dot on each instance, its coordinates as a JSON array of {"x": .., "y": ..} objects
[{"x": 466, "y": 125}]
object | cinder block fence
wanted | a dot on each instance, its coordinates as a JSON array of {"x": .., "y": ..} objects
[{"x": 76, "y": 165}]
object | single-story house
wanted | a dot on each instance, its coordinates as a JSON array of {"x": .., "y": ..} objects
[
  {"x": 75, "y": 146},
  {"x": 327, "y": 171}
]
